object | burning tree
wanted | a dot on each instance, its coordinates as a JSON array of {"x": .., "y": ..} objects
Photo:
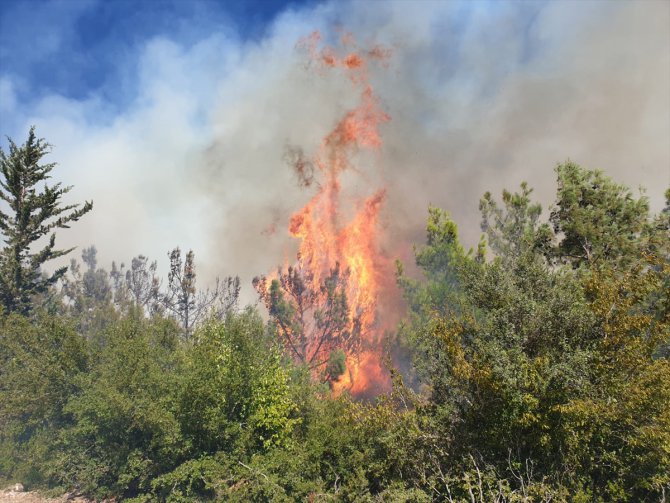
[
  {"x": 326, "y": 305},
  {"x": 313, "y": 320}
]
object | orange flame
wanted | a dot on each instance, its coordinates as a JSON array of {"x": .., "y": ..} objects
[{"x": 326, "y": 241}]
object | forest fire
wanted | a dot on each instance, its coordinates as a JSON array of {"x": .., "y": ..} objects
[{"x": 326, "y": 306}]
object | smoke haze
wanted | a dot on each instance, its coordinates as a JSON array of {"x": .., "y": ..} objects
[{"x": 482, "y": 95}]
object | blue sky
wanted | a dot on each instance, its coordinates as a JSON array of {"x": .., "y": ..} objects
[
  {"x": 76, "y": 48},
  {"x": 174, "y": 116}
]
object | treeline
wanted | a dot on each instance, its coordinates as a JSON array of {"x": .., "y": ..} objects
[
  {"x": 95, "y": 297},
  {"x": 540, "y": 367}
]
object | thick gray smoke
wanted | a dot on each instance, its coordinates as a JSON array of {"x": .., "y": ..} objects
[
  {"x": 482, "y": 95},
  {"x": 481, "y": 98}
]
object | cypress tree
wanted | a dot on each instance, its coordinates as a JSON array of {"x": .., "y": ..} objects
[{"x": 34, "y": 211}]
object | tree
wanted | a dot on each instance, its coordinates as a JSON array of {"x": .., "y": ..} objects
[
  {"x": 41, "y": 362},
  {"x": 35, "y": 211},
  {"x": 598, "y": 219},
  {"x": 312, "y": 320},
  {"x": 514, "y": 229},
  {"x": 90, "y": 288},
  {"x": 235, "y": 384},
  {"x": 544, "y": 366},
  {"x": 87, "y": 295},
  {"x": 189, "y": 305},
  {"x": 143, "y": 285}
]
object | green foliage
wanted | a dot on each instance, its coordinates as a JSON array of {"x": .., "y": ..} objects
[
  {"x": 40, "y": 365},
  {"x": 134, "y": 407},
  {"x": 599, "y": 220},
  {"x": 540, "y": 373},
  {"x": 124, "y": 428},
  {"x": 336, "y": 364},
  {"x": 193, "y": 480},
  {"x": 35, "y": 212},
  {"x": 235, "y": 388},
  {"x": 437, "y": 292},
  {"x": 514, "y": 229},
  {"x": 535, "y": 365}
]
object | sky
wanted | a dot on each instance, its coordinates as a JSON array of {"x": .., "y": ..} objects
[{"x": 174, "y": 116}]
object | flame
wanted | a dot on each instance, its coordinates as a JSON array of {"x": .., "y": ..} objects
[{"x": 327, "y": 241}]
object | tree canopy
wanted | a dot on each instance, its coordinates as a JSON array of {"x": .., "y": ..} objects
[
  {"x": 539, "y": 371},
  {"x": 35, "y": 211}
]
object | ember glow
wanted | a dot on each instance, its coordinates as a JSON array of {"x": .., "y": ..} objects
[{"x": 331, "y": 242}]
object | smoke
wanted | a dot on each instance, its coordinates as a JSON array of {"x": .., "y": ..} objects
[
  {"x": 484, "y": 99},
  {"x": 482, "y": 95}
]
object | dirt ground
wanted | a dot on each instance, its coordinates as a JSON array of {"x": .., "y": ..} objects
[{"x": 14, "y": 494}]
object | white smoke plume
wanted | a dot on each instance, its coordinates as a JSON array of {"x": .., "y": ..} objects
[{"x": 482, "y": 95}]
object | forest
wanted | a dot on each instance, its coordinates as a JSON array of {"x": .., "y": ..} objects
[{"x": 534, "y": 367}]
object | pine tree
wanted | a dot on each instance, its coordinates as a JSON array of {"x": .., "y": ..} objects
[
  {"x": 599, "y": 220},
  {"x": 188, "y": 305},
  {"x": 35, "y": 211},
  {"x": 181, "y": 297},
  {"x": 313, "y": 319}
]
